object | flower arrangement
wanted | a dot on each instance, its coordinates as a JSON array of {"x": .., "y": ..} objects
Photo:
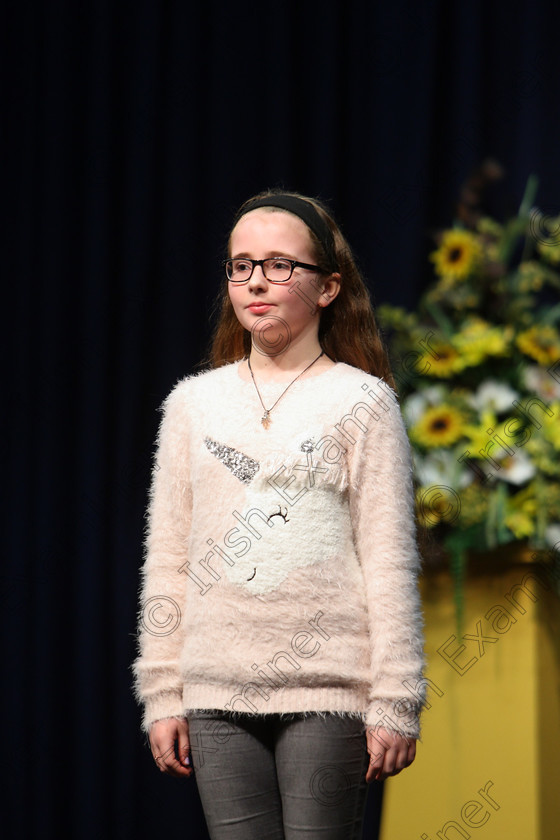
[{"x": 477, "y": 366}]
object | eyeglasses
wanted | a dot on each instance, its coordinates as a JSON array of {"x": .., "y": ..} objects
[{"x": 275, "y": 269}]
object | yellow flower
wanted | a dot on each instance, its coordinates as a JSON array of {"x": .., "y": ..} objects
[
  {"x": 474, "y": 504},
  {"x": 541, "y": 343},
  {"x": 550, "y": 251},
  {"x": 551, "y": 425},
  {"x": 440, "y": 425},
  {"x": 458, "y": 255},
  {"x": 530, "y": 276},
  {"x": 521, "y": 512},
  {"x": 479, "y": 339},
  {"x": 542, "y": 452},
  {"x": 396, "y": 316},
  {"x": 520, "y": 524},
  {"x": 434, "y": 507},
  {"x": 442, "y": 360},
  {"x": 492, "y": 234},
  {"x": 489, "y": 227},
  {"x": 551, "y": 501},
  {"x": 546, "y": 231},
  {"x": 478, "y": 435}
]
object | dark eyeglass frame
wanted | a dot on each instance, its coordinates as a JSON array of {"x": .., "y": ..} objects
[{"x": 254, "y": 263}]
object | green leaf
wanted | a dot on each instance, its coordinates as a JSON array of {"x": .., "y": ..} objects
[
  {"x": 549, "y": 315},
  {"x": 542, "y": 518},
  {"x": 440, "y": 318},
  {"x": 528, "y": 200},
  {"x": 517, "y": 226},
  {"x": 502, "y": 530},
  {"x": 457, "y": 543},
  {"x": 490, "y": 529},
  {"x": 513, "y": 229}
]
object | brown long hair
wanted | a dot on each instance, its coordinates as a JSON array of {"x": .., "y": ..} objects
[{"x": 348, "y": 331}]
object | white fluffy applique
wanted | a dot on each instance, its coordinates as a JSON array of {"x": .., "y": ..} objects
[{"x": 292, "y": 502}]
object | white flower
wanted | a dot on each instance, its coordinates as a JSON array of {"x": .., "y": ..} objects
[
  {"x": 492, "y": 395},
  {"x": 434, "y": 394},
  {"x": 415, "y": 405},
  {"x": 517, "y": 469},
  {"x": 552, "y": 536},
  {"x": 541, "y": 382},
  {"x": 413, "y": 408},
  {"x": 441, "y": 468}
]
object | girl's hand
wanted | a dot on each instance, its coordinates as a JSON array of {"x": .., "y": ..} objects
[
  {"x": 165, "y": 736},
  {"x": 389, "y": 753}
]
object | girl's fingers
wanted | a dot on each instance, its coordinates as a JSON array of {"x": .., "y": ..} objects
[
  {"x": 184, "y": 751},
  {"x": 164, "y": 735},
  {"x": 389, "y": 754},
  {"x": 168, "y": 762}
]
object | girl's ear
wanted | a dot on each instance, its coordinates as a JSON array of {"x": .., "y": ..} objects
[{"x": 331, "y": 288}]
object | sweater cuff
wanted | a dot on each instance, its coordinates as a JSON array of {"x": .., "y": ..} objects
[
  {"x": 399, "y": 715},
  {"x": 168, "y": 705}
]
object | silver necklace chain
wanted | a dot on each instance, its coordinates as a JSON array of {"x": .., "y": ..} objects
[{"x": 265, "y": 419}]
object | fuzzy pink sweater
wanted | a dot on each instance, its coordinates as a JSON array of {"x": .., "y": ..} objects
[{"x": 281, "y": 565}]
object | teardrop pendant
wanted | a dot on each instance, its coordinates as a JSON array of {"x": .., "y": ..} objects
[{"x": 265, "y": 419}]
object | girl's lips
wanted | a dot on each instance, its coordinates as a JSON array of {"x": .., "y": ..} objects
[{"x": 259, "y": 307}]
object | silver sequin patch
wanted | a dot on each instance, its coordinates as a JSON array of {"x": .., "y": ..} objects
[
  {"x": 243, "y": 467},
  {"x": 307, "y": 446}
]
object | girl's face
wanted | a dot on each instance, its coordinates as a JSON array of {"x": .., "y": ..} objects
[{"x": 297, "y": 303}]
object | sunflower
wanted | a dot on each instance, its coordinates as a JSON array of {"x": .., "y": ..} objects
[
  {"x": 440, "y": 425},
  {"x": 541, "y": 343},
  {"x": 458, "y": 255},
  {"x": 433, "y": 507},
  {"x": 442, "y": 360}
]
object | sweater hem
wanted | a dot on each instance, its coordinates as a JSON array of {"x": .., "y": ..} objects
[
  {"x": 285, "y": 701},
  {"x": 282, "y": 715}
]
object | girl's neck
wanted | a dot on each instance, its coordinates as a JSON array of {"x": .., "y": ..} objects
[{"x": 284, "y": 367}]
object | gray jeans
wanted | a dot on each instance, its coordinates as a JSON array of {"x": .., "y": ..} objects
[{"x": 280, "y": 777}]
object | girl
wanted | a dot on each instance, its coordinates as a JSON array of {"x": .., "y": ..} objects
[{"x": 280, "y": 646}]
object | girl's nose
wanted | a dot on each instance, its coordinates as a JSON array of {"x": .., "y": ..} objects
[{"x": 257, "y": 279}]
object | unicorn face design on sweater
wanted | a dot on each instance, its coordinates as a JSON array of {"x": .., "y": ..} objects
[{"x": 281, "y": 513}]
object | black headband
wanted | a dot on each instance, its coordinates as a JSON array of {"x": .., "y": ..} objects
[{"x": 305, "y": 211}]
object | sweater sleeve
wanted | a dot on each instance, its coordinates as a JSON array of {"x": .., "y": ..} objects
[
  {"x": 382, "y": 509},
  {"x": 161, "y": 620}
]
